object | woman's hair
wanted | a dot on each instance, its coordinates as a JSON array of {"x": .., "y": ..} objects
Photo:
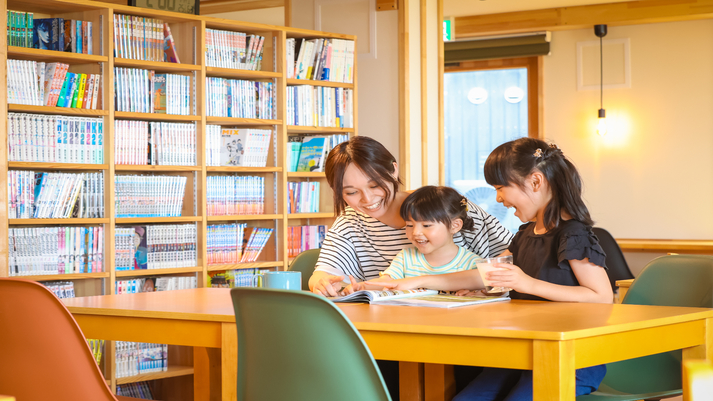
[
  {"x": 512, "y": 162},
  {"x": 369, "y": 156},
  {"x": 442, "y": 204}
]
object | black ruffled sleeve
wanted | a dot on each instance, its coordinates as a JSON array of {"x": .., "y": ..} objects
[{"x": 579, "y": 242}]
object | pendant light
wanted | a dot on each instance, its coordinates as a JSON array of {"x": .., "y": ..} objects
[{"x": 601, "y": 31}]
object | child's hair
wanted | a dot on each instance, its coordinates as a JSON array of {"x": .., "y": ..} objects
[
  {"x": 442, "y": 204},
  {"x": 512, "y": 162}
]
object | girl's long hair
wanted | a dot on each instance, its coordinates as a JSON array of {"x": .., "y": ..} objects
[{"x": 512, "y": 162}]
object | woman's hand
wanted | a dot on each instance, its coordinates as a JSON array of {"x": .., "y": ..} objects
[
  {"x": 511, "y": 276},
  {"x": 328, "y": 285}
]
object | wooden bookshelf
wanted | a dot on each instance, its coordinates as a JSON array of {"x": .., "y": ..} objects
[{"x": 189, "y": 32}]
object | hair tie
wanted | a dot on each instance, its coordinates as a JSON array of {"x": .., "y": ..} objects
[
  {"x": 538, "y": 153},
  {"x": 464, "y": 203}
]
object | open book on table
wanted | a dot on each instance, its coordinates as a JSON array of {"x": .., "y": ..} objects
[{"x": 418, "y": 297}]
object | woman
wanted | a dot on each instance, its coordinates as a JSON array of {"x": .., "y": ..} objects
[{"x": 369, "y": 230}]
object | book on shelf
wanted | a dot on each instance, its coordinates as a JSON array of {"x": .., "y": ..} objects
[
  {"x": 227, "y": 49},
  {"x": 154, "y": 284},
  {"x": 20, "y": 26},
  {"x": 239, "y": 98},
  {"x": 320, "y": 106},
  {"x": 321, "y": 59},
  {"x": 61, "y": 289},
  {"x": 254, "y": 241},
  {"x": 154, "y": 143},
  {"x": 48, "y": 34},
  {"x": 149, "y": 196},
  {"x": 233, "y": 278},
  {"x": 313, "y": 154},
  {"x": 166, "y": 246},
  {"x": 136, "y": 390},
  {"x": 235, "y": 195},
  {"x": 133, "y": 358},
  {"x": 302, "y": 238},
  {"x": 439, "y": 300},
  {"x": 143, "y": 91},
  {"x": 245, "y": 147},
  {"x": 169, "y": 46},
  {"x": 303, "y": 197},
  {"x": 55, "y": 250},
  {"x": 224, "y": 243}
]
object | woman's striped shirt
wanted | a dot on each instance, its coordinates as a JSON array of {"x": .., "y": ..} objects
[{"x": 362, "y": 246}]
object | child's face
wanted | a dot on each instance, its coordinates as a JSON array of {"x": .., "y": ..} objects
[
  {"x": 429, "y": 236},
  {"x": 526, "y": 200}
]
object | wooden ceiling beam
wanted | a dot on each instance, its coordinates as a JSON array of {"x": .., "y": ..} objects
[
  {"x": 226, "y": 6},
  {"x": 562, "y": 18}
]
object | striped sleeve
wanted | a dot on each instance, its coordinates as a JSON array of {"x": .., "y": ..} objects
[
  {"x": 396, "y": 270},
  {"x": 338, "y": 256}
]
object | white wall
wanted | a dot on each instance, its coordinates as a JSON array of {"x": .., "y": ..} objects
[
  {"x": 271, "y": 16},
  {"x": 652, "y": 175},
  {"x": 377, "y": 78}
]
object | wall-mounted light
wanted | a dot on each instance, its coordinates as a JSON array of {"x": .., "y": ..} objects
[{"x": 601, "y": 31}]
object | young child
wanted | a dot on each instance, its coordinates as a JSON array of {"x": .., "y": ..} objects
[
  {"x": 432, "y": 215},
  {"x": 556, "y": 256}
]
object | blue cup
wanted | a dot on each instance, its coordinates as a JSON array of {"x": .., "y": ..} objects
[{"x": 279, "y": 280}]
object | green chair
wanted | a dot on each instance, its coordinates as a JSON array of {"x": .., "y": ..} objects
[
  {"x": 304, "y": 263},
  {"x": 674, "y": 280},
  {"x": 296, "y": 346}
]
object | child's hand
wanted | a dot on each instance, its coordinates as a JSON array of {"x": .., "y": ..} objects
[
  {"x": 410, "y": 283},
  {"x": 366, "y": 285},
  {"x": 511, "y": 276}
]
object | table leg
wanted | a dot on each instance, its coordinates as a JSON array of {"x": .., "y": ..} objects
[
  {"x": 206, "y": 374},
  {"x": 440, "y": 383},
  {"x": 411, "y": 381},
  {"x": 229, "y": 362},
  {"x": 553, "y": 370},
  {"x": 703, "y": 351}
]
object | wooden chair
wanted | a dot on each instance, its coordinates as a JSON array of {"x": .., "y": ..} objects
[
  {"x": 43, "y": 352},
  {"x": 697, "y": 381}
]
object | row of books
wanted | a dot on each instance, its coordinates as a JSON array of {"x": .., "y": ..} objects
[
  {"x": 228, "y": 49},
  {"x": 154, "y": 143},
  {"x": 320, "y": 106},
  {"x": 231, "y": 195},
  {"x": 152, "y": 284},
  {"x": 302, "y": 238},
  {"x": 97, "y": 347},
  {"x": 55, "y": 195},
  {"x": 235, "y": 243},
  {"x": 143, "y": 91},
  {"x": 303, "y": 197},
  {"x": 148, "y": 195},
  {"x": 155, "y": 247},
  {"x": 135, "y": 390},
  {"x": 308, "y": 153},
  {"x": 245, "y": 147},
  {"x": 233, "y": 278},
  {"x": 142, "y": 38},
  {"x": 320, "y": 59},
  {"x": 58, "y": 34},
  {"x": 50, "y": 84},
  {"x": 61, "y": 289},
  {"x": 55, "y": 139},
  {"x": 139, "y": 358},
  {"x": 55, "y": 250},
  {"x": 239, "y": 98}
]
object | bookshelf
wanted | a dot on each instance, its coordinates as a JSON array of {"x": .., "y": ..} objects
[{"x": 189, "y": 33}]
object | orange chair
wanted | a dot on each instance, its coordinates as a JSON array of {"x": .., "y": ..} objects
[{"x": 43, "y": 353}]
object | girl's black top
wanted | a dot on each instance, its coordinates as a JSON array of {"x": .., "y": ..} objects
[{"x": 546, "y": 257}]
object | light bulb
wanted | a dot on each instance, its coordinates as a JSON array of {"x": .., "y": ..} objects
[{"x": 602, "y": 125}]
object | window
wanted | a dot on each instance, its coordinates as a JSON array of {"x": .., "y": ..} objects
[{"x": 483, "y": 108}]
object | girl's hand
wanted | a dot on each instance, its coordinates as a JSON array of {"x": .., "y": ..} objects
[{"x": 511, "y": 276}]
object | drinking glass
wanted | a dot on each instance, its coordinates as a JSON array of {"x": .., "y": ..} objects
[{"x": 485, "y": 265}]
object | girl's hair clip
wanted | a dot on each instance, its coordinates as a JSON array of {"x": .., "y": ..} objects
[
  {"x": 464, "y": 203},
  {"x": 538, "y": 153}
]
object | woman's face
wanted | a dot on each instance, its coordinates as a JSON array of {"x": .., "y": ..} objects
[{"x": 363, "y": 194}]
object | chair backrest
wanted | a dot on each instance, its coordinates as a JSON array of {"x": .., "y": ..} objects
[
  {"x": 617, "y": 267},
  {"x": 295, "y": 345},
  {"x": 304, "y": 263},
  {"x": 673, "y": 280},
  {"x": 43, "y": 354}
]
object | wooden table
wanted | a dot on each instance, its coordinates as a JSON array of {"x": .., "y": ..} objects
[{"x": 550, "y": 338}]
